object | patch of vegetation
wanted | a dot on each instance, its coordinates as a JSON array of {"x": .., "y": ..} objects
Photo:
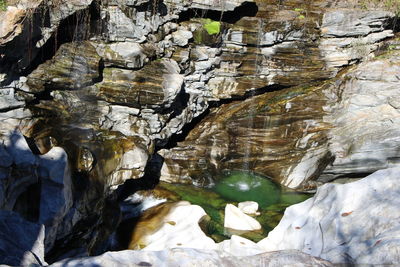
[
  {"x": 3, "y": 5},
  {"x": 389, "y": 5},
  {"x": 212, "y": 27},
  {"x": 301, "y": 12}
]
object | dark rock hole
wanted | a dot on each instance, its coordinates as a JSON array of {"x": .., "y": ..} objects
[{"x": 247, "y": 9}]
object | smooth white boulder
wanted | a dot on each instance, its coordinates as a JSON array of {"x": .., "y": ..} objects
[
  {"x": 345, "y": 223},
  {"x": 249, "y": 207},
  {"x": 180, "y": 229},
  {"x": 239, "y": 246},
  {"x": 193, "y": 257},
  {"x": 237, "y": 220}
]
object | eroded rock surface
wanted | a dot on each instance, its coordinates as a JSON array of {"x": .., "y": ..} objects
[
  {"x": 92, "y": 89},
  {"x": 350, "y": 223},
  {"x": 294, "y": 134}
]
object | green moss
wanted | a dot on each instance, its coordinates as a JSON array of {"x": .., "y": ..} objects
[
  {"x": 212, "y": 27},
  {"x": 3, "y": 5},
  {"x": 298, "y": 9},
  {"x": 301, "y": 17}
]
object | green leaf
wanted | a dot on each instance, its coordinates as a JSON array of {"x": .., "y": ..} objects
[{"x": 212, "y": 27}]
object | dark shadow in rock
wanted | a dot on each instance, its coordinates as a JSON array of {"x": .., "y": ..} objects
[
  {"x": 149, "y": 180},
  {"x": 176, "y": 138},
  {"x": 27, "y": 210},
  {"x": 153, "y": 6},
  {"x": 21, "y": 242},
  {"x": 247, "y": 9}
]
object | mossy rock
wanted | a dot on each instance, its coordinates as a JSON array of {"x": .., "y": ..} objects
[{"x": 208, "y": 32}]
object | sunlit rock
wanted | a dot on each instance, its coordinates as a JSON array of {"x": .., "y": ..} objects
[
  {"x": 123, "y": 54},
  {"x": 155, "y": 85},
  {"x": 365, "y": 119},
  {"x": 175, "y": 226},
  {"x": 350, "y": 223},
  {"x": 237, "y": 220},
  {"x": 239, "y": 246},
  {"x": 181, "y": 37},
  {"x": 249, "y": 207},
  {"x": 187, "y": 257}
]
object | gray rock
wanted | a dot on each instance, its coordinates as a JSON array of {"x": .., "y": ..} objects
[
  {"x": 21, "y": 242},
  {"x": 181, "y": 37},
  {"x": 8, "y": 99},
  {"x": 353, "y": 23},
  {"x": 365, "y": 120},
  {"x": 122, "y": 54},
  {"x": 192, "y": 257},
  {"x": 351, "y": 223}
]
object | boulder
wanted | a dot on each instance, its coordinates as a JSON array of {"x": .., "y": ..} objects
[
  {"x": 365, "y": 118},
  {"x": 175, "y": 226},
  {"x": 354, "y": 223},
  {"x": 235, "y": 219},
  {"x": 21, "y": 242},
  {"x": 186, "y": 257},
  {"x": 75, "y": 65},
  {"x": 249, "y": 207},
  {"x": 154, "y": 86}
]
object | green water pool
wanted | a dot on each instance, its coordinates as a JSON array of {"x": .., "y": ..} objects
[{"x": 233, "y": 187}]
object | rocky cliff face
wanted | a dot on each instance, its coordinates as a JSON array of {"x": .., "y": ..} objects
[{"x": 91, "y": 90}]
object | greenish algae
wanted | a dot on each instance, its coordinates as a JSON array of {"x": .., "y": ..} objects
[
  {"x": 243, "y": 186},
  {"x": 230, "y": 187},
  {"x": 212, "y": 27}
]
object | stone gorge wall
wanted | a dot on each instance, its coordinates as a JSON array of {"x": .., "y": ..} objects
[{"x": 91, "y": 90}]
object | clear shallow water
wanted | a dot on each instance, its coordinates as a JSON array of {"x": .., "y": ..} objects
[{"x": 233, "y": 187}]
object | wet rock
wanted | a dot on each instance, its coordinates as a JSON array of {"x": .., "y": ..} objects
[
  {"x": 280, "y": 135},
  {"x": 25, "y": 31},
  {"x": 156, "y": 85},
  {"x": 352, "y": 223},
  {"x": 74, "y": 66},
  {"x": 237, "y": 220}
]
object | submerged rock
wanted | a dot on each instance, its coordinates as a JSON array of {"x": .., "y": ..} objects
[{"x": 353, "y": 223}]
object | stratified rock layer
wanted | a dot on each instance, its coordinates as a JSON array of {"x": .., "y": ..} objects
[
  {"x": 193, "y": 257},
  {"x": 294, "y": 134}
]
